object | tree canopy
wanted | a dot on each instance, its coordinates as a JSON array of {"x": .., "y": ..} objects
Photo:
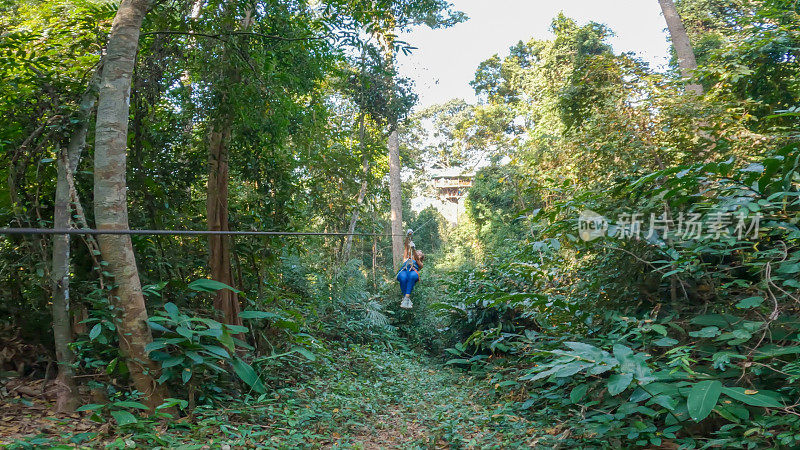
[{"x": 621, "y": 273}]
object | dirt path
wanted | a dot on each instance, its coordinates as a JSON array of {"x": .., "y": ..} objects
[
  {"x": 363, "y": 398},
  {"x": 411, "y": 401}
]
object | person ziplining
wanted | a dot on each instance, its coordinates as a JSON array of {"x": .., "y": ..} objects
[{"x": 408, "y": 275}]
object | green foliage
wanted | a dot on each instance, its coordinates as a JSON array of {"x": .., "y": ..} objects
[
  {"x": 193, "y": 351},
  {"x": 662, "y": 340},
  {"x": 128, "y": 414},
  {"x": 650, "y": 378},
  {"x": 496, "y": 202},
  {"x": 429, "y": 228},
  {"x": 364, "y": 395},
  {"x": 348, "y": 313}
]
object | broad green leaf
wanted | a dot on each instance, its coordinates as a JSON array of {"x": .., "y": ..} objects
[
  {"x": 157, "y": 355},
  {"x": 570, "y": 369},
  {"x": 766, "y": 399},
  {"x": 663, "y": 400},
  {"x": 194, "y": 356},
  {"x": 306, "y": 353},
  {"x": 707, "y": 332},
  {"x": 458, "y": 361},
  {"x": 665, "y": 342},
  {"x": 703, "y": 398},
  {"x": 214, "y": 367},
  {"x": 635, "y": 363},
  {"x": 538, "y": 376},
  {"x": 95, "y": 331},
  {"x": 736, "y": 337},
  {"x": 248, "y": 375},
  {"x": 236, "y": 329},
  {"x": 622, "y": 351},
  {"x": 753, "y": 167},
  {"x": 89, "y": 407},
  {"x": 227, "y": 340},
  {"x": 112, "y": 365},
  {"x": 717, "y": 320},
  {"x": 172, "y": 361},
  {"x": 750, "y": 302},
  {"x": 217, "y": 351},
  {"x": 130, "y": 404},
  {"x": 155, "y": 345},
  {"x": 250, "y": 314},
  {"x": 578, "y": 392},
  {"x": 185, "y": 331},
  {"x": 170, "y": 402},
  {"x": 213, "y": 332},
  {"x": 206, "y": 285},
  {"x": 769, "y": 351},
  {"x": 155, "y": 326},
  {"x": 172, "y": 310},
  {"x": 587, "y": 351},
  {"x": 124, "y": 417},
  {"x": 660, "y": 329},
  {"x": 646, "y": 411},
  {"x": 638, "y": 395},
  {"x": 619, "y": 382},
  {"x": 789, "y": 268},
  {"x": 733, "y": 412}
]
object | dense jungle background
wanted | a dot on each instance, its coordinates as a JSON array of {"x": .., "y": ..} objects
[{"x": 289, "y": 115}]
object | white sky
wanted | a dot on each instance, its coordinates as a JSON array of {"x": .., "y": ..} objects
[{"x": 445, "y": 60}]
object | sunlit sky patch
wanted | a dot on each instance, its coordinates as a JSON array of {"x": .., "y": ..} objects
[{"x": 445, "y": 61}]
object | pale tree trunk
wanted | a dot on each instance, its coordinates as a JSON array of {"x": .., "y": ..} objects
[
  {"x": 687, "y": 64},
  {"x": 66, "y": 397},
  {"x": 395, "y": 187},
  {"x": 395, "y": 198},
  {"x": 67, "y": 393},
  {"x": 110, "y": 197},
  {"x": 680, "y": 41}
]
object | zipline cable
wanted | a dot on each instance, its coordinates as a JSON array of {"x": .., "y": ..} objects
[{"x": 79, "y": 231}]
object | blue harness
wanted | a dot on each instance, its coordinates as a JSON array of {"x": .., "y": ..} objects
[{"x": 410, "y": 265}]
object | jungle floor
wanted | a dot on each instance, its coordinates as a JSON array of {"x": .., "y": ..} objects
[{"x": 367, "y": 399}]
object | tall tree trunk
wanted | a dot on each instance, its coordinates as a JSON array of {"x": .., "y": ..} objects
[
  {"x": 110, "y": 197},
  {"x": 226, "y": 302},
  {"x": 67, "y": 398},
  {"x": 395, "y": 188},
  {"x": 680, "y": 41},
  {"x": 395, "y": 198}
]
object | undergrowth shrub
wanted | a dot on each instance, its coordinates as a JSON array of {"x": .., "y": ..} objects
[{"x": 685, "y": 338}]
